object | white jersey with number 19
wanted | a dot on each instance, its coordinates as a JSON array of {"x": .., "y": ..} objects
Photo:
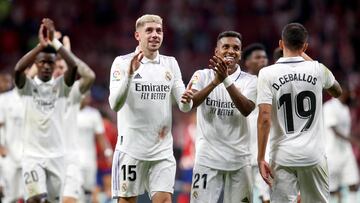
[{"x": 294, "y": 88}]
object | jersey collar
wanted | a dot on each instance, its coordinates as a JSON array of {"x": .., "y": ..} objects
[
  {"x": 39, "y": 82},
  {"x": 145, "y": 60},
  {"x": 296, "y": 59}
]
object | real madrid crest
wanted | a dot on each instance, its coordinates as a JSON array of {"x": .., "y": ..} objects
[
  {"x": 124, "y": 187},
  {"x": 195, "y": 195},
  {"x": 168, "y": 76}
]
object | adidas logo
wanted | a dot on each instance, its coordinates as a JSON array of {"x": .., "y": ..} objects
[{"x": 137, "y": 76}]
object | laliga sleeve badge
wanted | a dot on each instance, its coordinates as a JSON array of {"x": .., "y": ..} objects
[
  {"x": 116, "y": 76},
  {"x": 195, "y": 78},
  {"x": 168, "y": 76}
]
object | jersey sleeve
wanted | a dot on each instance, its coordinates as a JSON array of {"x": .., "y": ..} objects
[
  {"x": 178, "y": 87},
  {"x": 251, "y": 90},
  {"x": 197, "y": 80},
  {"x": 326, "y": 76},
  {"x": 65, "y": 89},
  {"x": 119, "y": 82},
  {"x": 75, "y": 94},
  {"x": 26, "y": 89},
  {"x": 264, "y": 94}
]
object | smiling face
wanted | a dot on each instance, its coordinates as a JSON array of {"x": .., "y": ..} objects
[
  {"x": 150, "y": 36},
  {"x": 229, "y": 49},
  {"x": 45, "y": 63}
]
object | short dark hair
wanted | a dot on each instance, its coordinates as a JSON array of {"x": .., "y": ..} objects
[
  {"x": 294, "y": 36},
  {"x": 251, "y": 48},
  {"x": 229, "y": 33},
  {"x": 49, "y": 50}
]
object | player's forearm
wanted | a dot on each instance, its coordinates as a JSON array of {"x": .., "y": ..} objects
[
  {"x": 243, "y": 104},
  {"x": 177, "y": 92},
  {"x": 70, "y": 74},
  {"x": 263, "y": 134},
  {"x": 119, "y": 93},
  {"x": 26, "y": 61},
  {"x": 200, "y": 96},
  {"x": 87, "y": 75},
  {"x": 335, "y": 90},
  {"x": 263, "y": 129}
]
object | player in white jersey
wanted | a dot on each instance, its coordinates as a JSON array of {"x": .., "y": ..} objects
[
  {"x": 73, "y": 190},
  {"x": 11, "y": 124},
  {"x": 142, "y": 87},
  {"x": 90, "y": 130},
  {"x": 343, "y": 168},
  {"x": 290, "y": 102},
  {"x": 44, "y": 100},
  {"x": 225, "y": 95},
  {"x": 255, "y": 58}
]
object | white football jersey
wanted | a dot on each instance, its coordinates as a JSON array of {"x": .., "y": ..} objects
[
  {"x": 252, "y": 118},
  {"x": 12, "y": 117},
  {"x": 337, "y": 115},
  {"x": 294, "y": 87},
  {"x": 144, "y": 121},
  {"x": 71, "y": 129},
  {"x": 45, "y": 105},
  {"x": 222, "y": 134},
  {"x": 89, "y": 123}
]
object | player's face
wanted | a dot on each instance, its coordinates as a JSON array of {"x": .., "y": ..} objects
[
  {"x": 229, "y": 49},
  {"x": 150, "y": 36},
  {"x": 45, "y": 63},
  {"x": 60, "y": 68},
  {"x": 257, "y": 60}
]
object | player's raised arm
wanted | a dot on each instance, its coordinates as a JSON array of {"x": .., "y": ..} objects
[
  {"x": 242, "y": 103},
  {"x": 120, "y": 79},
  {"x": 86, "y": 73},
  {"x": 28, "y": 59},
  {"x": 70, "y": 74}
]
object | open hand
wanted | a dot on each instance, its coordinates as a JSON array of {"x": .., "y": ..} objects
[
  {"x": 220, "y": 68},
  {"x": 187, "y": 95},
  {"x": 135, "y": 62}
]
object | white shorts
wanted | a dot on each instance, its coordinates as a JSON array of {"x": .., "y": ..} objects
[
  {"x": 73, "y": 182},
  {"x": 131, "y": 177},
  {"x": 343, "y": 172},
  {"x": 207, "y": 185},
  {"x": 312, "y": 181},
  {"x": 88, "y": 173},
  {"x": 44, "y": 176},
  {"x": 260, "y": 185},
  {"x": 14, "y": 186}
]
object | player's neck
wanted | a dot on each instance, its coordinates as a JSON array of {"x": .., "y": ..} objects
[
  {"x": 232, "y": 70},
  {"x": 290, "y": 53},
  {"x": 150, "y": 54}
]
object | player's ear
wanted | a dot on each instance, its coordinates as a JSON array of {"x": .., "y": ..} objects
[
  {"x": 305, "y": 47},
  {"x": 281, "y": 44},
  {"x": 137, "y": 35},
  {"x": 216, "y": 51}
]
